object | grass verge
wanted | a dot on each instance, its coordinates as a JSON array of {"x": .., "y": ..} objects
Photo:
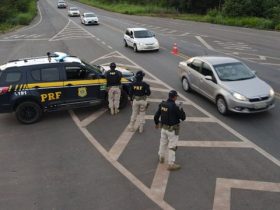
[
  {"x": 212, "y": 17},
  {"x": 17, "y": 19}
]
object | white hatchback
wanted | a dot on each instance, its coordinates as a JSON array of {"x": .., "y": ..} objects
[
  {"x": 140, "y": 39},
  {"x": 89, "y": 18},
  {"x": 73, "y": 11}
]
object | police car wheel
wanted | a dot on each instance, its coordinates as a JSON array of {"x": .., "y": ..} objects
[
  {"x": 28, "y": 112},
  {"x": 123, "y": 99}
]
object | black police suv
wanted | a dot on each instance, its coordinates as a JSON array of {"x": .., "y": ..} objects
[{"x": 31, "y": 86}]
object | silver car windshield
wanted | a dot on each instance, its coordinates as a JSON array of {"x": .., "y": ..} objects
[
  {"x": 73, "y": 9},
  {"x": 233, "y": 72},
  {"x": 143, "y": 34}
]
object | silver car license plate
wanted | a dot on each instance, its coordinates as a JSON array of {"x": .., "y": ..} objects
[{"x": 260, "y": 105}]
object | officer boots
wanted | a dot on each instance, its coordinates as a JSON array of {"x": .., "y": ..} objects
[
  {"x": 116, "y": 111},
  {"x": 141, "y": 128},
  {"x": 173, "y": 167}
]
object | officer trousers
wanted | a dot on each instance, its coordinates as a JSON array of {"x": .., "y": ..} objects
[
  {"x": 169, "y": 140},
  {"x": 114, "y": 95},
  {"x": 138, "y": 112}
]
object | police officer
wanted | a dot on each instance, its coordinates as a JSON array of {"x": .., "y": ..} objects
[
  {"x": 113, "y": 78},
  {"x": 170, "y": 115},
  {"x": 138, "y": 93}
]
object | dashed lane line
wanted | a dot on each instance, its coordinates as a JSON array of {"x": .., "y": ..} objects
[{"x": 204, "y": 43}]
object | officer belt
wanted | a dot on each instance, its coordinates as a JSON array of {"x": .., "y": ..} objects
[
  {"x": 115, "y": 86},
  {"x": 139, "y": 98},
  {"x": 170, "y": 127}
]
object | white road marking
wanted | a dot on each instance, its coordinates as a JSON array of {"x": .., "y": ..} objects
[
  {"x": 57, "y": 36},
  {"x": 223, "y": 190},
  {"x": 121, "y": 144},
  {"x": 40, "y": 20},
  {"x": 172, "y": 31},
  {"x": 215, "y": 144},
  {"x": 204, "y": 43},
  {"x": 262, "y": 57},
  {"x": 160, "y": 181},
  {"x": 160, "y": 89},
  {"x": 103, "y": 43},
  {"x": 109, "y": 47},
  {"x": 92, "y": 117},
  {"x": 156, "y": 196}
]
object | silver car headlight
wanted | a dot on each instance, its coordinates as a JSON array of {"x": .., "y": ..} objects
[
  {"x": 271, "y": 93},
  {"x": 141, "y": 44},
  {"x": 239, "y": 97}
]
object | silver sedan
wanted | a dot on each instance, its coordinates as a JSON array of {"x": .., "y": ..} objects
[{"x": 229, "y": 83}]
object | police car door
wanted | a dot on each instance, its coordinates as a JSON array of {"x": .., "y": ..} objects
[
  {"x": 44, "y": 82},
  {"x": 80, "y": 86}
]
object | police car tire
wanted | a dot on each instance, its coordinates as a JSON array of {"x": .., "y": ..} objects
[
  {"x": 28, "y": 112},
  {"x": 123, "y": 99}
]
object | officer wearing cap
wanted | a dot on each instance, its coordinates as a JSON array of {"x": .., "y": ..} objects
[
  {"x": 113, "y": 78},
  {"x": 138, "y": 93},
  {"x": 168, "y": 117}
]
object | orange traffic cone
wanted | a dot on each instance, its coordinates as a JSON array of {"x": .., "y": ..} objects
[{"x": 174, "y": 49}]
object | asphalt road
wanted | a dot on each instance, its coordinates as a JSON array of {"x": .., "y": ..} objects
[{"x": 84, "y": 159}]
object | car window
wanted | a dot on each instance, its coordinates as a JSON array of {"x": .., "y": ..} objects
[
  {"x": 143, "y": 34},
  {"x": 196, "y": 65},
  {"x": 36, "y": 75},
  {"x": 206, "y": 70},
  {"x": 90, "y": 15},
  {"x": 233, "y": 72},
  {"x": 50, "y": 74},
  {"x": 12, "y": 77}
]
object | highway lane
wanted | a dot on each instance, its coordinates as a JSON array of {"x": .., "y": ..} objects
[
  {"x": 262, "y": 128},
  {"x": 160, "y": 64}
]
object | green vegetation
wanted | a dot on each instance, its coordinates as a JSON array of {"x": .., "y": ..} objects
[
  {"x": 247, "y": 13},
  {"x": 16, "y": 12}
]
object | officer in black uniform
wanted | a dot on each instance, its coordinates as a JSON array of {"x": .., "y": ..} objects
[
  {"x": 168, "y": 117},
  {"x": 139, "y": 91},
  {"x": 113, "y": 78}
]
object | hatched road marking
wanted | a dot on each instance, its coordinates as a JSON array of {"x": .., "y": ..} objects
[{"x": 157, "y": 190}]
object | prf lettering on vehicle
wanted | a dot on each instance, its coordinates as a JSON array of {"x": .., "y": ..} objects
[{"x": 50, "y": 96}]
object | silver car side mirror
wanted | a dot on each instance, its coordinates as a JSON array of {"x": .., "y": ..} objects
[{"x": 208, "y": 77}]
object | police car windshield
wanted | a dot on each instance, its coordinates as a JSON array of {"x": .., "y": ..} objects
[{"x": 91, "y": 68}]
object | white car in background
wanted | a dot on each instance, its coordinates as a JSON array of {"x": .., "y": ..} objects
[
  {"x": 140, "y": 39},
  {"x": 89, "y": 18},
  {"x": 73, "y": 11}
]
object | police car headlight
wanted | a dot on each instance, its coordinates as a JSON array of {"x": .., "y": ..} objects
[{"x": 239, "y": 97}]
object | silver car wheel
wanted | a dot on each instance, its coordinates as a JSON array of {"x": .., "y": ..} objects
[
  {"x": 185, "y": 84},
  {"x": 221, "y": 105},
  {"x": 135, "y": 48}
]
